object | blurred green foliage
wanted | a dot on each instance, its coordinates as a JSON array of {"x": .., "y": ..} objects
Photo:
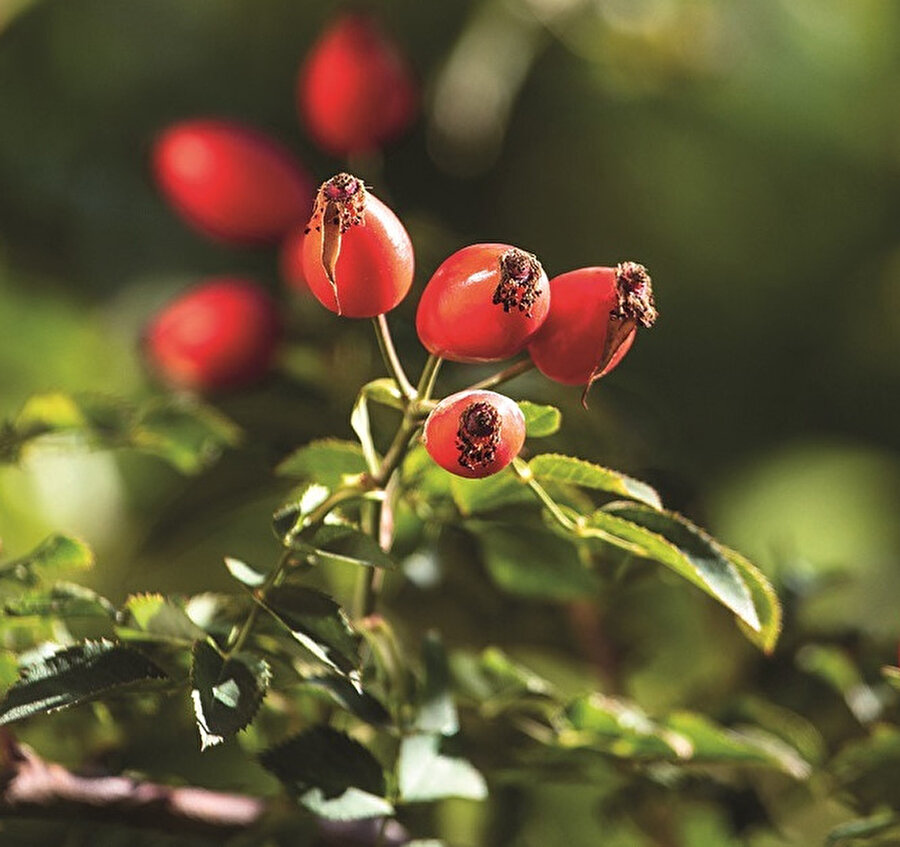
[{"x": 748, "y": 154}]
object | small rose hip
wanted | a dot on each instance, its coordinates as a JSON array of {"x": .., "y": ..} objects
[
  {"x": 593, "y": 319},
  {"x": 222, "y": 333},
  {"x": 474, "y": 433},
  {"x": 483, "y": 304},
  {"x": 354, "y": 254},
  {"x": 231, "y": 182},
  {"x": 355, "y": 92}
]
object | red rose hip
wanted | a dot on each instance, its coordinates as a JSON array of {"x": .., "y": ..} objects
[
  {"x": 231, "y": 182},
  {"x": 594, "y": 315},
  {"x": 483, "y": 304},
  {"x": 220, "y": 334},
  {"x": 474, "y": 433},
  {"x": 355, "y": 91},
  {"x": 355, "y": 255}
]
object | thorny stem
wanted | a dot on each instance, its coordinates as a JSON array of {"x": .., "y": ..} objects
[
  {"x": 505, "y": 375},
  {"x": 391, "y": 359}
]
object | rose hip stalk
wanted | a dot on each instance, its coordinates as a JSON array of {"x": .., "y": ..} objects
[
  {"x": 483, "y": 304},
  {"x": 355, "y": 254},
  {"x": 355, "y": 92},
  {"x": 222, "y": 333},
  {"x": 474, "y": 433},
  {"x": 593, "y": 320},
  {"x": 231, "y": 182}
]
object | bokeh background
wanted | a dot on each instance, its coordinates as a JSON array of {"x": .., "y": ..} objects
[{"x": 747, "y": 153}]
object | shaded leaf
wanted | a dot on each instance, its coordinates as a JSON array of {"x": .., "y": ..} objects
[
  {"x": 532, "y": 562},
  {"x": 437, "y": 710},
  {"x": 75, "y": 675},
  {"x": 350, "y": 698},
  {"x": 558, "y": 468},
  {"x": 326, "y": 461},
  {"x": 61, "y": 600},
  {"x": 492, "y": 492},
  {"x": 540, "y": 421},
  {"x": 331, "y": 774},
  {"x": 424, "y": 774},
  {"x": 317, "y": 622},
  {"x": 226, "y": 692}
]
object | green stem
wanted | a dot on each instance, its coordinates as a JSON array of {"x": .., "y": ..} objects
[
  {"x": 391, "y": 359},
  {"x": 521, "y": 469},
  {"x": 428, "y": 377},
  {"x": 505, "y": 375}
]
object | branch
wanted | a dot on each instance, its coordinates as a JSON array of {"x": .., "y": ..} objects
[{"x": 31, "y": 787}]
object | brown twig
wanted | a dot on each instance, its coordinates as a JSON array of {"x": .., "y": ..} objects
[{"x": 33, "y": 788}]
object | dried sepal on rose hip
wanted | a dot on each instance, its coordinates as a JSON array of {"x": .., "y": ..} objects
[
  {"x": 220, "y": 334},
  {"x": 355, "y": 91},
  {"x": 230, "y": 181},
  {"x": 483, "y": 304},
  {"x": 354, "y": 254},
  {"x": 474, "y": 433},
  {"x": 593, "y": 319}
]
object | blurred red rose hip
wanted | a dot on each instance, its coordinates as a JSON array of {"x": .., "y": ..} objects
[
  {"x": 483, "y": 304},
  {"x": 355, "y": 91},
  {"x": 354, "y": 255},
  {"x": 231, "y": 182},
  {"x": 594, "y": 315},
  {"x": 222, "y": 333}
]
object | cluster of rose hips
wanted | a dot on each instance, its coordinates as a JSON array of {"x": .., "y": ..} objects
[{"x": 485, "y": 303}]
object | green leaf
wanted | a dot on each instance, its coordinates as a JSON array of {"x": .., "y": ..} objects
[
  {"x": 877, "y": 824},
  {"x": 481, "y": 495},
  {"x": 424, "y": 774},
  {"x": 384, "y": 391},
  {"x": 317, "y": 622},
  {"x": 671, "y": 540},
  {"x": 437, "y": 710},
  {"x": 326, "y": 461},
  {"x": 75, "y": 675},
  {"x": 226, "y": 692},
  {"x": 533, "y": 562},
  {"x": 288, "y": 519},
  {"x": 243, "y": 573},
  {"x": 350, "y": 698},
  {"x": 336, "y": 543},
  {"x": 62, "y": 600},
  {"x": 567, "y": 469},
  {"x": 152, "y": 617},
  {"x": 623, "y": 729},
  {"x": 56, "y": 554},
  {"x": 187, "y": 434},
  {"x": 332, "y": 775},
  {"x": 359, "y": 421},
  {"x": 540, "y": 421}
]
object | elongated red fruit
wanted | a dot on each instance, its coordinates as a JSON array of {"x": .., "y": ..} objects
[
  {"x": 483, "y": 304},
  {"x": 594, "y": 315},
  {"x": 355, "y": 92},
  {"x": 474, "y": 433},
  {"x": 355, "y": 256},
  {"x": 231, "y": 182},
  {"x": 222, "y": 333}
]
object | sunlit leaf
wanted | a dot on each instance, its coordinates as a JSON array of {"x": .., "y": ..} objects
[
  {"x": 540, "y": 421},
  {"x": 425, "y": 774}
]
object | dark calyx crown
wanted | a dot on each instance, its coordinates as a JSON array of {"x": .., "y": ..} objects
[{"x": 478, "y": 435}]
